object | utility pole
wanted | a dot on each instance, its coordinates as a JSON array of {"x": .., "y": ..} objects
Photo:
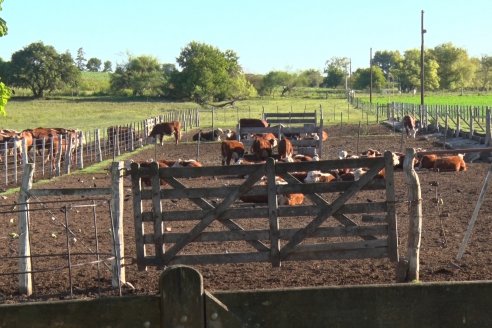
[
  {"x": 370, "y": 69},
  {"x": 422, "y": 32}
]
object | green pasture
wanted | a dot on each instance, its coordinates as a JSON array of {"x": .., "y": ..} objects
[
  {"x": 88, "y": 113},
  {"x": 433, "y": 98}
]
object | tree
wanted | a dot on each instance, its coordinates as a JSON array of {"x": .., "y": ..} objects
[
  {"x": 208, "y": 74},
  {"x": 80, "y": 59},
  {"x": 362, "y": 78},
  {"x": 455, "y": 68},
  {"x": 336, "y": 71},
  {"x": 3, "y": 23},
  {"x": 278, "y": 80},
  {"x": 142, "y": 75},
  {"x": 310, "y": 78},
  {"x": 5, "y": 91},
  {"x": 107, "y": 66},
  {"x": 40, "y": 68},
  {"x": 93, "y": 64},
  {"x": 388, "y": 61},
  {"x": 484, "y": 73},
  {"x": 408, "y": 71}
]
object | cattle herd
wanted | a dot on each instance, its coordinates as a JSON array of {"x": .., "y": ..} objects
[
  {"x": 265, "y": 145},
  {"x": 233, "y": 150}
]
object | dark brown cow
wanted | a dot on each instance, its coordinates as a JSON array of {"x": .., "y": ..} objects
[
  {"x": 214, "y": 135},
  {"x": 410, "y": 126},
  {"x": 166, "y": 129},
  {"x": 231, "y": 149}
]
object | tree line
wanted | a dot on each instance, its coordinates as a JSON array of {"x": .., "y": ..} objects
[{"x": 206, "y": 74}]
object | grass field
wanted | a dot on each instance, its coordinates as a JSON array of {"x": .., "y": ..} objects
[{"x": 88, "y": 113}]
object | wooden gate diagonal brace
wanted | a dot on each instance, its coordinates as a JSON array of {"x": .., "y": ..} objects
[
  {"x": 230, "y": 224},
  {"x": 309, "y": 229},
  {"x": 215, "y": 214}
]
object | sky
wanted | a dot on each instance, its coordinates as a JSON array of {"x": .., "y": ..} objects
[{"x": 267, "y": 35}]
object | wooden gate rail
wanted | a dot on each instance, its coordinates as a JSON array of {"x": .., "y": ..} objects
[{"x": 373, "y": 225}]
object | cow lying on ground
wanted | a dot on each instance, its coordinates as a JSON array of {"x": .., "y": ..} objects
[
  {"x": 287, "y": 199},
  {"x": 231, "y": 150},
  {"x": 147, "y": 180},
  {"x": 166, "y": 129},
  {"x": 444, "y": 163},
  {"x": 410, "y": 126},
  {"x": 214, "y": 135}
]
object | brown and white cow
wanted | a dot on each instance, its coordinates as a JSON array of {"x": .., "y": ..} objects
[
  {"x": 166, "y": 129},
  {"x": 231, "y": 150},
  {"x": 410, "y": 126},
  {"x": 285, "y": 149}
]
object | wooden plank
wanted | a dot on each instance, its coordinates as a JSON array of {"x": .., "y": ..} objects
[
  {"x": 391, "y": 200},
  {"x": 243, "y": 235},
  {"x": 156, "y": 210},
  {"x": 259, "y": 212},
  {"x": 129, "y": 311},
  {"x": 368, "y": 253},
  {"x": 137, "y": 215},
  {"x": 222, "y": 258},
  {"x": 355, "y": 245},
  {"x": 290, "y": 114},
  {"x": 273, "y": 213},
  {"x": 71, "y": 192}
]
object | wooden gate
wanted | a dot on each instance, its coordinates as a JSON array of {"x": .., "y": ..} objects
[{"x": 214, "y": 225}]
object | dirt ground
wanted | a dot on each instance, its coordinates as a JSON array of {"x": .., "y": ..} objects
[{"x": 444, "y": 226}]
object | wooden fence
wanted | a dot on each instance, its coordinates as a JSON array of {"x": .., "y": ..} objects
[
  {"x": 462, "y": 120},
  {"x": 115, "y": 193},
  {"x": 277, "y": 233},
  {"x": 90, "y": 147},
  {"x": 183, "y": 302}
]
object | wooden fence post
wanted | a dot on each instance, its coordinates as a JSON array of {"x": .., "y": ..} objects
[
  {"x": 182, "y": 298},
  {"x": 59, "y": 155},
  {"x": 68, "y": 153},
  {"x": 117, "y": 198},
  {"x": 25, "y": 278},
  {"x": 273, "y": 213},
  {"x": 415, "y": 211},
  {"x": 99, "y": 154},
  {"x": 487, "y": 128},
  {"x": 470, "y": 111},
  {"x": 80, "y": 150},
  {"x": 25, "y": 157}
]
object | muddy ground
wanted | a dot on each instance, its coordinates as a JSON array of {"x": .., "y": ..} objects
[{"x": 444, "y": 226}]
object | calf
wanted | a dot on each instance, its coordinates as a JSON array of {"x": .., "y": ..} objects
[
  {"x": 231, "y": 150},
  {"x": 167, "y": 128},
  {"x": 410, "y": 126}
]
